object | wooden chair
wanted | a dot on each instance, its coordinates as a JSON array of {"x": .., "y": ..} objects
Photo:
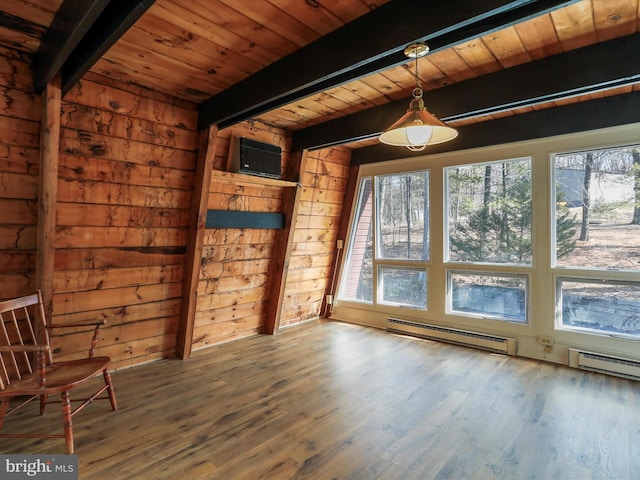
[{"x": 27, "y": 368}]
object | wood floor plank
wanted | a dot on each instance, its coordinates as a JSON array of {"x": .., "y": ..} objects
[{"x": 328, "y": 400}]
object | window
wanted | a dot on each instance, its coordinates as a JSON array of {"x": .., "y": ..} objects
[
  {"x": 597, "y": 232},
  {"x": 489, "y": 212},
  {"x": 400, "y": 215},
  {"x": 358, "y": 283},
  {"x": 597, "y": 209},
  {"x": 403, "y": 216},
  {"x": 403, "y": 286},
  {"x": 533, "y": 241},
  {"x": 599, "y": 306},
  {"x": 489, "y": 222},
  {"x": 501, "y": 297}
]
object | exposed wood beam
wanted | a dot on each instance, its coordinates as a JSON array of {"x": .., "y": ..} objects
[
  {"x": 578, "y": 72},
  {"x": 114, "y": 22},
  {"x": 81, "y": 32},
  {"x": 369, "y": 44},
  {"x": 70, "y": 24},
  {"x": 48, "y": 190},
  {"x": 573, "y": 118},
  {"x": 197, "y": 225}
]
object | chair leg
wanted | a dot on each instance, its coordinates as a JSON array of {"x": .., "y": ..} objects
[
  {"x": 43, "y": 403},
  {"x": 110, "y": 390},
  {"x": 66, "y": 420},
  {"x": 4, "y": 407}
]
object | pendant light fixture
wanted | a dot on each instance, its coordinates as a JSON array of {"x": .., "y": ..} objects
[{"x": 417, "y": 128}]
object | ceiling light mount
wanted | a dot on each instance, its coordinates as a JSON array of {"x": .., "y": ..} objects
[
  {"x": 416, "y": 50},
  {"x": 417, "y": 128}
]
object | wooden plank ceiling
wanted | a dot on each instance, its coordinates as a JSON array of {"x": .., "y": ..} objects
[{"x": 223, "y": 53}]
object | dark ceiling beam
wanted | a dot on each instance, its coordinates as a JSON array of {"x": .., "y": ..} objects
[
  {"x": 114, "y": 22},
  {"x": 367, "y": 45},
  {"x": 573, "y": 118},
  {"x": 578, "y": 72},
  {"x": 81, "y": 32},
  {"x": 70, "y": 24}
]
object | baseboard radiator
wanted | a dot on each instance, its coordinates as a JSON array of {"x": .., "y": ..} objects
[
  {"x": 597, "y": 362},
  {"x": 452, "y": 335}
]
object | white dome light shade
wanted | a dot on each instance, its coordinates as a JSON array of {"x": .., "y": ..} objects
[{"x": 416, "y": 129}]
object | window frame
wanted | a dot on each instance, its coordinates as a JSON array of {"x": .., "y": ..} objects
[
  {"x": 595, "y": 281},
  {"x": 524, "y": 276},
  {"x": 348, "y": 257},
  {"x": 542, "y": 284},
  {"x": 446, "y": 207},
  {"x": 554, "y": 209},
  {"x": 380, "y": 290}
]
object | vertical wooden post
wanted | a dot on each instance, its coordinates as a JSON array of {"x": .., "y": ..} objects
[
  {"x": 195, "y": 240},
  {"x": 280, "y": 267},
  {"x": 48, "y": 190}
]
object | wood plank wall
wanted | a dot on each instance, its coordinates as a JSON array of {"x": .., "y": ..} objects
[
  {"x": 19, "y": 165},
  {"x": 125, "y": 178},
  {"x": 234, "y": 280},
  {"x": 313, "y": 255},
  {"x": 127, "y": 160}
]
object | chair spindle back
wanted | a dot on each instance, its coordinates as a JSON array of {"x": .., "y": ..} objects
[{"x": 22, "y": 322}]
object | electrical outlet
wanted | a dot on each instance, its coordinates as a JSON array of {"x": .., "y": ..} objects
[{"x": 547, "y": 342}]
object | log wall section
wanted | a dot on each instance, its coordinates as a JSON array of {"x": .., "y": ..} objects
[
  {"x": 236, "y": 280},
  {"x": 315, "y": 236},
  {"x": 19, "y": 167},
  {"x": 127, "y": 159},
  {"x": 234, "y": 284}
]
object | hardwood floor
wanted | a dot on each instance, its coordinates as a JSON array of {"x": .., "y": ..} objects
[{"x": 336, "y": 401}]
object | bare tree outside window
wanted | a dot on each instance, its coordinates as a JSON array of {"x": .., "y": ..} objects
[
  {"x": 403, "y": 219},
  {"x": 600, "y": 189}
]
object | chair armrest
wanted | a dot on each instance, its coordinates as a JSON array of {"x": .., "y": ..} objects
[
  {"x": 25, "y": 348},
  {"x": 96, "y": 324}
]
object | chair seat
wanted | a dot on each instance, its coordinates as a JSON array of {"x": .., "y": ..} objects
[{"x": 60, "y": 376}]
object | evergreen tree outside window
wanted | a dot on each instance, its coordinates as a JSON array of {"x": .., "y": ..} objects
[{"x": 489, "y": 212}]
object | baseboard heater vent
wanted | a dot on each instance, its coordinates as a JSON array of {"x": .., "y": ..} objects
[
  {"x": 597, "y": 362},
  {"x": 452, "y": 335}
]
